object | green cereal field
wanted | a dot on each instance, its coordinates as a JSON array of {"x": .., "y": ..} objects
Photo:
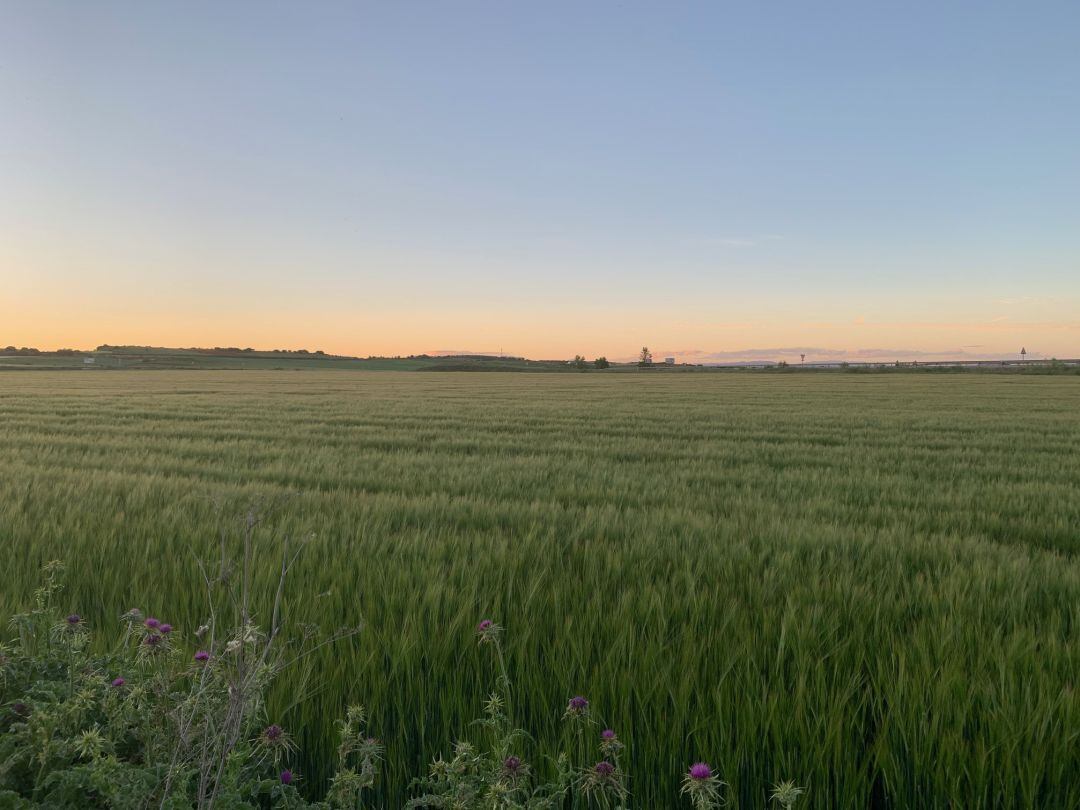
[{"x": 867, "y": 583}]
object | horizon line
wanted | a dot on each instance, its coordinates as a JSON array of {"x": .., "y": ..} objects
[{"x": 800, "y": 354}]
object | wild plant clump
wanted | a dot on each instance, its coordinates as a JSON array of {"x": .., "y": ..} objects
[
  {"x": 165, "y": 718},
  {"x": 495, "y": 774},
  {"x": 174, "y": 719}
]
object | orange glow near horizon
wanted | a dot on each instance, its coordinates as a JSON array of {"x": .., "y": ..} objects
[{"x": 86, "y": 313}]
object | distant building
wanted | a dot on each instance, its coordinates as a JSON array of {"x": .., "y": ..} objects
[
  {"x": 89, "y": 361},
  {"x": 669, "y": 361}
]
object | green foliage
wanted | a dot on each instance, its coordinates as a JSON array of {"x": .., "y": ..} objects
[
  {"x": 601, "y": 362},
  {"x": 786, "y": 794},
  {"x": 152, "y": 721},
  {"x": 870, "y": 582},
  {"x": 494, "y": 774},
  {"x": 163, "y": 735}
]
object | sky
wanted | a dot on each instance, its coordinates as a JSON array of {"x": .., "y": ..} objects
[{"x": 718, "y": 181}]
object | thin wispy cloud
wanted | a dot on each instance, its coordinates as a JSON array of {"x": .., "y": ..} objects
[
  {"x": 1001, "y": 324},
  {"x": 740, "y": 241},
  {"x": 1028, "y": 300}
]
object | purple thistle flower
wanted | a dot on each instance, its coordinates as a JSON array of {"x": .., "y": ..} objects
[
  {"x": 488, "y": 632},
  {"x": 152, "y": 640},
  {"x": 700, "y": 771},
  {"x": 202, "y": 656},
  {"x": 74, "y": 619},
  {"x": 607, "y": 735},
  {"x": 118, "y": 682},
  {"x": 274, "y": 736},
  {"x": 577, "y": 704},
  {"x": 286, "y": 777},
  {"x": 604, "y": 769},
  {"x": 512, "y": 765},
  {"x": 20, "y": 709},
  {"x": 166, "y": 628},
  {"x": 152, "y": 623}
]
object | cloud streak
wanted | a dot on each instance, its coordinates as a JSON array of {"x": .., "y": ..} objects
[
  {"x": 1027, "y": 299},
  {"x": 740, "y": 241}
]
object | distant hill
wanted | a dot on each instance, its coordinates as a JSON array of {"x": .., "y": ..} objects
[{"x": 107, "y": 357}]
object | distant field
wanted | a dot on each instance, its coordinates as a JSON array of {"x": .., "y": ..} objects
[{"x": 867, "y": 583}]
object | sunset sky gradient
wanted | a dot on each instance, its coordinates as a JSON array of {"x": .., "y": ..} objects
[{"x": 716, "y": 180}]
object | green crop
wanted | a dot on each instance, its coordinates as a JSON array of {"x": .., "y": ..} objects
[{"x": 868, "y": 583}]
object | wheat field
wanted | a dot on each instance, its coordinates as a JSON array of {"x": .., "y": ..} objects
[{"x": 866, "y": 583}]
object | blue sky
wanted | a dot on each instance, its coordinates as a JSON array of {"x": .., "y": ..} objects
[{"x": 712, "y": 179}]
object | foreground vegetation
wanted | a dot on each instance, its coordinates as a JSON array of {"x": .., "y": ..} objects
[
  {"x": 151, "y": 723},
  {"x": 867, "y": 582}
]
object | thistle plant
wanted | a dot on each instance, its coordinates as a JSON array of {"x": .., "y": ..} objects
[
  {"x": 275, "y": 742},
  {"x": 163, "y": 719},
  {"x": 359, "y": 755},
  {"x": 173, "y": 719},
  {"x": 785, "y": 794},
  {"x": 610, "y": 746},
  {"x": 577, "y": 708},
  {"x": 495, "y": 774},
  {"x": 703, "y": 787},
  {"x": 604, "y": 783}
]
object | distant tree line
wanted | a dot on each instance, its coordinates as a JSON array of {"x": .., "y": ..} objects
[
  {"x": 581, "y": 364},
  {"x": 30, "y": 351},
  {"x": 249, "y": 350},
  {"x": 105, "y": 347}
]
